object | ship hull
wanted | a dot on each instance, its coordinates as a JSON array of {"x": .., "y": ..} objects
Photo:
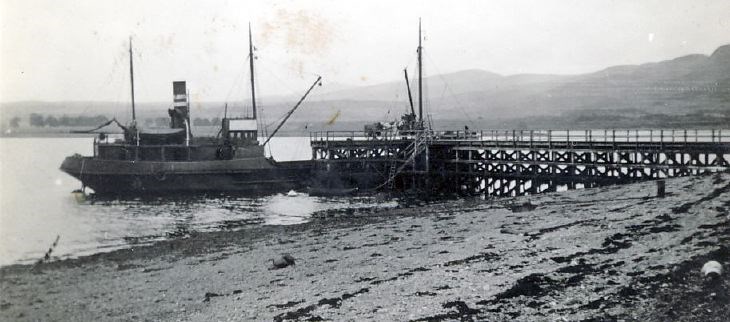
[{"x": 253, "y": 176}]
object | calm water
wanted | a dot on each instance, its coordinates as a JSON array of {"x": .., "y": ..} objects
[{"x": 36, "y": 205}]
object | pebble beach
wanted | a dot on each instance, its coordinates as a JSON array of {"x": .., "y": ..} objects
[{"x": 607, "y": 253}]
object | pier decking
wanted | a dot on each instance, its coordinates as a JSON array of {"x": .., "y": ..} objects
[{"x": 512, "y": 162}]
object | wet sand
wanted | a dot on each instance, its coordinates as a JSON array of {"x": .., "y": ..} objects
[{"x": 610, "y": 253}]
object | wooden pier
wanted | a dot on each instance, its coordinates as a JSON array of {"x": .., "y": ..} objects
[{"x": 511, "y": 162}]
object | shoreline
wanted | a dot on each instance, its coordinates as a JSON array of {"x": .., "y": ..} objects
[
  {"x": 601, "y": 253},
  {"x": 196, "y": 243}
]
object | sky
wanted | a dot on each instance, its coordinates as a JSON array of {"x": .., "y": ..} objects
[{"x": 78, "y": 49}]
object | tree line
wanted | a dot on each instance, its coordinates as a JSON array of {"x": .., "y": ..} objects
[{"x": 39, "y": 120}]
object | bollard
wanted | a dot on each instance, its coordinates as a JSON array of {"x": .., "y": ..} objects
[{"x": 660, "y": 188}]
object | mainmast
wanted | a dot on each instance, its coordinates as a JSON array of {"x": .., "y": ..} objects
[
  {"x": 131, "y": 78},
  {"x": 250, "y": 62},
  {"x": 420, "y": 75}
]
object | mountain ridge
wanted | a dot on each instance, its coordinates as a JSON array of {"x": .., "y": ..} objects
[{"x": 683, "y": 84}]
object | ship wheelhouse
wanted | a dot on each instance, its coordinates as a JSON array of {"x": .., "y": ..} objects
[{"x": 240, "y": 130}]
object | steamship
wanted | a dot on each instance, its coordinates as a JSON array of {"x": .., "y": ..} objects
[{"x": 172, "y": 160}]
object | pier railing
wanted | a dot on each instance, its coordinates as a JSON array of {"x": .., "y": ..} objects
[
  {"x": 514, "y": 162},
  {"x": 552, "y": 135}
]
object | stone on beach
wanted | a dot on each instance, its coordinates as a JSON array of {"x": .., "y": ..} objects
[
  {"x": 508, "y": 231},
  {"x": 712, "y": 268},
  {"x": 521, "y": 207},
  {"x": 283, "y": 261}
]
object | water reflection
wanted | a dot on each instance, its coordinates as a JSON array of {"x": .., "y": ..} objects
[
  {"x": 286, "y": 210},
  {"x": 141, "y": 221}
]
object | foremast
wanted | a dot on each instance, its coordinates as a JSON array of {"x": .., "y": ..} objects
[
  {"x": 250, "y": 63},
  {"x": 131, "y": 80},
  {"x": 420, "y": 76}
]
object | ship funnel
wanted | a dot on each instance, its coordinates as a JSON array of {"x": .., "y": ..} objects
[{"x": 180, "y": 113}]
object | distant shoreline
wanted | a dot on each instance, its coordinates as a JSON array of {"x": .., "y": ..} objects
[
  {"x": 66, "y": 133},
  {"x": 444, "y": 125}
]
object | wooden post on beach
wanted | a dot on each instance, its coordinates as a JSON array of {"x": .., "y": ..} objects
[{"x": 660, "y": 188}]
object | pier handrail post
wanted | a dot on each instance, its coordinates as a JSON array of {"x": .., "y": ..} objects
[
  {"x": 696, "y": 135},
  {"x": 613, "y": 137},
  {"x": 661, "y": 139},
  {"x": 672, "y": 135},
  {"x": 651, "y": 135},
  {"x": 713, "y": 135},
  {"x": 590, "y": 138},
  {"x": 685, "y": 136},
  {"x": 514, "y": 138},
  {"x": 531, "y": 138},
  {"x": 550, "y": 139}
]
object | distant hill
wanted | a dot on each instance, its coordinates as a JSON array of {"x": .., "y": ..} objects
[
  {"x": 681, "y": 85},
  {"x": 458, "y": 83},
  {"x": 686, "y": 85}
]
